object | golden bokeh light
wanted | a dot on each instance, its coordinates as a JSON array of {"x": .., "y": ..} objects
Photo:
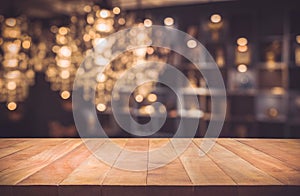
[
  {"x": 215, "y": 18},
  {"x": 147, "y": 23},
  {"x": 116, "y": 10},
  {"x": 242, "y": 41},
  {"x": 139, "y": 98},
  {"x": 191, "y": 43},
  {"x": 11, "y": 85},
  {"x": 63, "y": 30},
  {"x": 242, "y": 68},
  {"x": 104, "y": 13},
  {"x": 12, "y": 106},
  {"x": 65, "y": 94},
  {"x": 168, "y": 21},
  {"x": 101, "y": 107},
  {"x": 152, "y": 97},
  {"x": 26, "y": 44},
  {"x": 65, "y": 74},
  {"x": 11, "y": 22},
  {"x": 149, "y": 109},
  {"x": 121, "y": 21},
  {"x": 242, "y": 48}
]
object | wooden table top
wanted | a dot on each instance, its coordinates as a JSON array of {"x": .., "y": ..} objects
[{"x": 231, "y": 167}]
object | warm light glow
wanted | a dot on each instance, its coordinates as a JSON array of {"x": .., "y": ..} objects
[
  {"x": 121, "y": 21},
  {"x": 65, "y": 51},
  {"x": 65, "y": 94},
  {"x": 273, "y": 112},
  {"x": 277, "y": 90},
  {"x": 101, "y": 77},
  {"x": 30, "y": 73},
  {"x": 11, "y": 62},
  {"x": 101, "y": 107},
  {"x": 63, "y": 30},
  {"x": 139, "y": 98},
  {"x": 102, "y": 27},
  {"x": 13, "y": 48},
  {"x": 147, "y": 23},
  {"x": 169, "y": 21},
  {"x": 11, "y": 22},
  {"x": 149, "y": 109},
  {"x": 140, "y": 52},
  {"x": 90, "y": 19},
  {"x": 191, "y": 43},
  {"x": 11, "y": 85},
  {"x": 242, "y": 68},
  {"x": 242, "y": 48},
  {"x": 298, "y": 39},
  {"x": 152, "y": 97},
  {"x": 26, "y": 44},
  {"x": 104, "y": 13},
  {"x": 65, "y": 74},
  {"x": 63, "y": 63},
  {"x": 242, "y": 41},
  {"x": 12, "y": 106},
  {"x": 87, "y": 8},
  {"x": 150, "y": 50},
  {"x": 13, "y": 74},
  {"x": 86, "y": 37},
  {"x": 215, "y": 18},
  {"x": 116, "y": 10}
]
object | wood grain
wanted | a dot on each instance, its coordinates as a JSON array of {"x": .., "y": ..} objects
[
  {"x": 20, "y": 171},
  {"x": 68, "y": 167},
  {"x": 241, "y": 171},
  {"x": 274, "y": 167}
]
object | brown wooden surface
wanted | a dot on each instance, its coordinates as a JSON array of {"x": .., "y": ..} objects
[{"x": 67, "y": 167}]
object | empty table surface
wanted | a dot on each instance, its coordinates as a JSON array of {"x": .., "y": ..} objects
[{"x": 68, "y": 167}]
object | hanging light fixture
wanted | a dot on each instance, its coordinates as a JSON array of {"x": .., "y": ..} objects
[
  {"x": 16, "y": 73},
  {"x": 97, "y": 71},
  {"x": 68, "y": 56}
]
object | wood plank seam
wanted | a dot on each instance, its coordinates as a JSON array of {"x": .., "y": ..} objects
[
  {"x": 82, "y": 162},
  {"x": 178, "y": 156},
  {"x": 261, "y": 171},
  {"x": 216, "y": 163},
  {"x": 147, "y": 162},
  {"x": 250, "y": 162},
  {"x": 16, "y": 151},
  {"x": 290, "y": 165},
  {"x": 111, "y": 166},
  {"x": 45, "y": 162}
]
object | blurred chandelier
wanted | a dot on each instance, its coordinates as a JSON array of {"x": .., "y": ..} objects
[
  {"x": 98, "y": 61},
  {"x": 68, "y": 56},
  {"x": 16, "y": 72},
  {"x": 83, "y": 40}
]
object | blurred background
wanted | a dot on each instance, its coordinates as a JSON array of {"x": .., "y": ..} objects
[{"x": 256, "y": 45}]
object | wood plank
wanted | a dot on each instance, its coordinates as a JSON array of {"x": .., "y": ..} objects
[
  {"x": 21, "y": 156},
  {"x": 15, "y": 147},
  {"x": 274, "y": 167},
  {"x": 12, "y": 146},
  {"x": 62, "y": 167},
  {"x": 278, "y": 149},
  {"x": 130, "y": 167},
  {"x": 92, "y": 171},
  {"x": 4, "y": 143},
  {"x": 202, "y": 170},
  {"x": 170, "y": 174},
  {"x": 241, "y": 171},
  {"x": 15, "y": 174}
]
